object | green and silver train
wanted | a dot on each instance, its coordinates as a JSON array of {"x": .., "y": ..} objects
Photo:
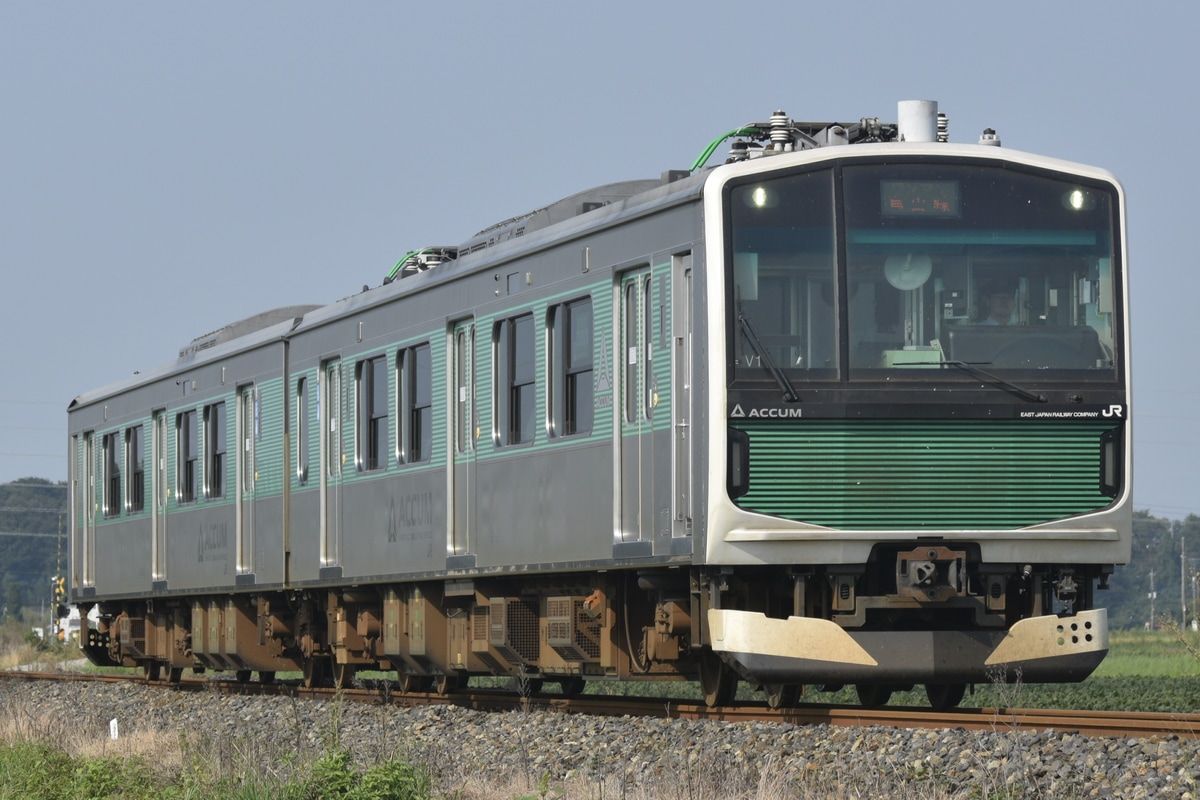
[{"x": 850, "y": 408}]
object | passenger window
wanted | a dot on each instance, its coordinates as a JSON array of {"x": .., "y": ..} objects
[
  {"x": 214, "y": 449},
  {"x": 414, "y": 371},
  {"x": 135, "y": 470},
  {"x": 515, "y": 396},
  {"x": 570, "y": 388},
  {"x": 112, "y": 474},
  {"x": 302, "y": 431},
  {"x": 187, "y": 453},
  {"x": 372, "y": 391}
]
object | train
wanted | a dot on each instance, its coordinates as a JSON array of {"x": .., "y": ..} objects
[{"x": 849, "y": 409}]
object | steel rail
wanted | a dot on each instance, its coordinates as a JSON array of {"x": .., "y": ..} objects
[{"x": 1086, "y": 722}]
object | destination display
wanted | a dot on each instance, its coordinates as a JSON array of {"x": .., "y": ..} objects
[{"x": 920, "y": 199}]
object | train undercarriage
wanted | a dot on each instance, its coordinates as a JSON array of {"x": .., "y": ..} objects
[{"x": 914, "y": 614}]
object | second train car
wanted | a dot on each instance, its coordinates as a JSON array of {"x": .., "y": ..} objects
[{"x": 850, "y": 408}]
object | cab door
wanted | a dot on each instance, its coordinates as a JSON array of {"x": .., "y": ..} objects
[{"x": 681, "y": 394}]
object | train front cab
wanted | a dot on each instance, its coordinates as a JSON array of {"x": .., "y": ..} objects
[{"x": 942, "y": 493}]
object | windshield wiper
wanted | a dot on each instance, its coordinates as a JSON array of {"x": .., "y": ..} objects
[
  {"x": 996, "y": 380},
  {"x": 789, "y": 393}
]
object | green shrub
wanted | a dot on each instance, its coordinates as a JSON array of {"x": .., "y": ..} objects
[
  {"x": 334, "y": 777},
  {"x": 116, "y": 778},
  {"x": 394, "y": 780},
  {"x": 330, "y": 778},
  {"x": 39, "y": 771},
  {"x": 30, "y": 770}
]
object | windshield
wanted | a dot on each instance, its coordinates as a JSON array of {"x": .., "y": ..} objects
[{"x": 980, "y": 263}]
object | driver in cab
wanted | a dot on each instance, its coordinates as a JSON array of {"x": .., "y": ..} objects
[{"x": 999, "y": 303}]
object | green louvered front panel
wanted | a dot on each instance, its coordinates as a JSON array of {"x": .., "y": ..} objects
[{"x": 931, "y": 474}]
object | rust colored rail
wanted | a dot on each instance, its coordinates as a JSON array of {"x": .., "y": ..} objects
[{"x": 1091, "y": 723}]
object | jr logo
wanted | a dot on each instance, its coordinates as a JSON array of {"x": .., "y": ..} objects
[{"x": 1113, "y": 410}]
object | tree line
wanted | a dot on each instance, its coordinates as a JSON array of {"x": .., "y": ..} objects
[
  {"x": 34, "y": 522},
  {"x": 1161, "y": 582}
]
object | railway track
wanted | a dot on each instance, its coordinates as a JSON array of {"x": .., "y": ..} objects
[{"x": 1091, "y": 723}]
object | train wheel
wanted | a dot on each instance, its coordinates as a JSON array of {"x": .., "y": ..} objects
[
  {"x": 243, "y": 675},
  {"x": 572, "y": 686},
  {"x": 410, "y": 683},
  {"x": 527, "y": 686},
  {"x": 174, "y": 675},
  {"x": 782, "y": 695},
  {"x": 314, "y": 671},
  {"x": 343, "y": 675},
  {"x": 266, "y": 677},
  {"x": 944, "y": 696},
  {"x": 873, "y": 695},
  {"x": 718, "y": 682},
  {"x": 152, "y": 670},
  {"x": 445, "y": 684}
]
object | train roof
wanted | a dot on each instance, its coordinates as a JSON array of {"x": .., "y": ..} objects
[
  {"x": 580, "y": 213},
  {"x": 244, "y": 327},
  {"x": 269, "y": 326},
  {"x": 602, "y": 206}
]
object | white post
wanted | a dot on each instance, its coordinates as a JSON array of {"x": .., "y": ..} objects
[{"x": 1153, "y": 596}]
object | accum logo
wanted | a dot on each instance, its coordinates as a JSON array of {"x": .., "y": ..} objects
[
  {"x": 765, "y": 413},
  {"x": 410, "y": 517},
  {"x": 213, "y": 544}
]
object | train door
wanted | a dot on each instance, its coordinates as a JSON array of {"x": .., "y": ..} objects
[
  {"x": 462, "y": 453},
  {"x": 86, "y": 494},
  {"x": 681, "y": 392},
  {"x": 330, "y": 416},
  {"x": 247, "y": 436},
  {"x": 160, "y": 490},
  {"x": 638, "y": 395}
]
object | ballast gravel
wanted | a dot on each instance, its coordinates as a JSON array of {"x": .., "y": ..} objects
[{"x": 625, "y": 756}]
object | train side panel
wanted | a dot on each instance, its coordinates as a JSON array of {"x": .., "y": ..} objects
[
  {"x": 492, "y": 498},
  {"x": 176, "y": 480},
  {"x": 360, "y": 504}
]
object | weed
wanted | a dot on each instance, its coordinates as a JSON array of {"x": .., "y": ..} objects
[
  {"x": 1009, "y": 691},
  {"x": 1182, "y": 637},
  {"x": 331, "y": 734},
  {"x": 33, "y": 769},
  {"x": 544, "y": 790},
  {"x": 394, "y": 780}
]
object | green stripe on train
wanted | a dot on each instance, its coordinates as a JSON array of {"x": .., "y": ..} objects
[{"x": 924, "y": 474}]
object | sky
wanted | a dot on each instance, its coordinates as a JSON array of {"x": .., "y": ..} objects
[{"x": 167, "y": 168}]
